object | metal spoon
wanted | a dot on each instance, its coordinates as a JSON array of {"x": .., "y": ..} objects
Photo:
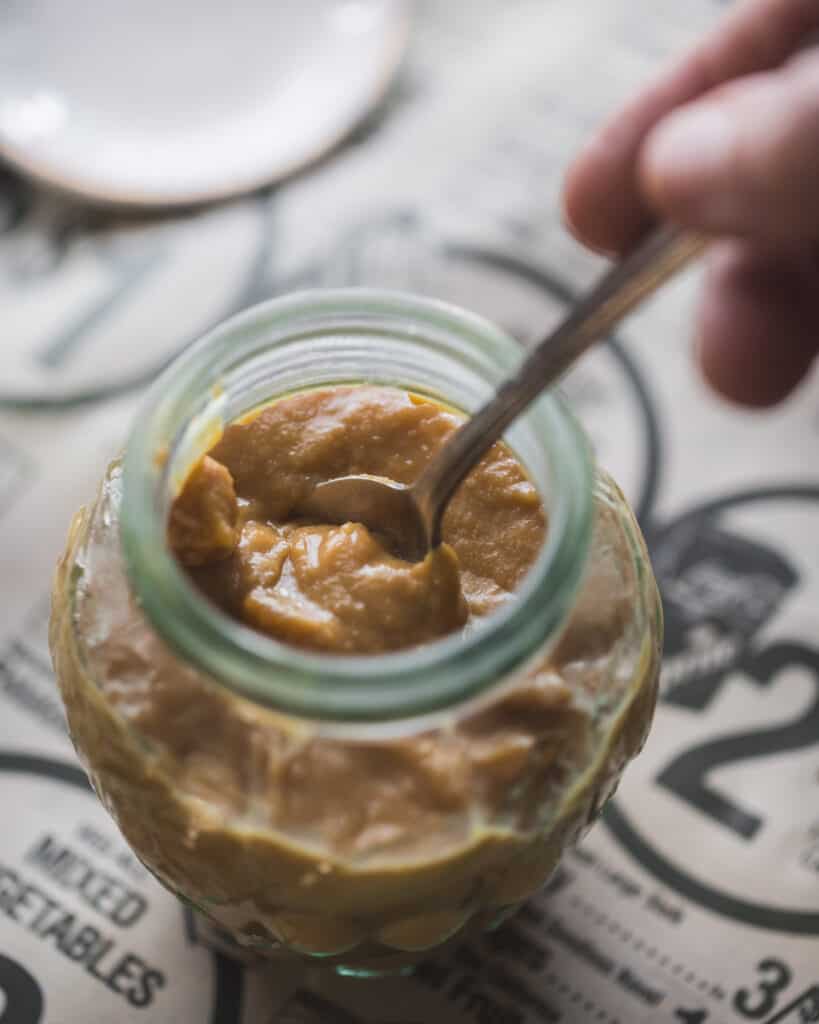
[{"x": 411, "y": 516}]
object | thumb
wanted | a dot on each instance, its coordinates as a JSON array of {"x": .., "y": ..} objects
[{"x": 744, "y": 160}]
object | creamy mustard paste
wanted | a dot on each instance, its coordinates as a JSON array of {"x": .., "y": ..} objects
[
  {"x": 361, "y": 849},
  {"x": 338, "y": 588}
]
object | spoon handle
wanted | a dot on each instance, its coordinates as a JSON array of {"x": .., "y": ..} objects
[{"x": 662, "y": 253}]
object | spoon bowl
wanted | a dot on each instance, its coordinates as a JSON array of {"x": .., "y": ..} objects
[{"x": 382, "y": 505}]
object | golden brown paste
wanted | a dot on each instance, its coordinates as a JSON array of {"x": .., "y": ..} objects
[
  {"x": 369, "y": 846},
  {"x": 338, "y": 588}
]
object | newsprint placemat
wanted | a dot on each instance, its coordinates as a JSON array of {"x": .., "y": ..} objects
[{"x": 697, "y": 899}]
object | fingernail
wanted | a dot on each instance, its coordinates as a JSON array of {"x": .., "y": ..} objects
[{"x": 687, "y": 152}]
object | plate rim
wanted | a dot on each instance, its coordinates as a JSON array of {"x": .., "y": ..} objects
[{"x": 44, "y": 173}]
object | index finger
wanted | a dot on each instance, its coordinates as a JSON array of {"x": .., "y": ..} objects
[{"x": 602, "y": 201}]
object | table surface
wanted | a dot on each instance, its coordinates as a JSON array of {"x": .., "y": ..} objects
[{"x": 697, "y": 898}]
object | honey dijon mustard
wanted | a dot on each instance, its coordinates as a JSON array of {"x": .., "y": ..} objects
[{"x": 328, "y": 751}]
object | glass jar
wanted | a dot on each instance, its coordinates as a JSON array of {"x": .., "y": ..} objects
[{"x": 359, "y": 809}]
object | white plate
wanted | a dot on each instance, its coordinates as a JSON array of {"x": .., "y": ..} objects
[{"x": 161, "y": 102}]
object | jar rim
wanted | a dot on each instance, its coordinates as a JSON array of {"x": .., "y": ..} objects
[{"x": 362, "y": 689}]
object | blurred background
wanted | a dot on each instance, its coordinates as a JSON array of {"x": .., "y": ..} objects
[{"x": 163, "y": 165}]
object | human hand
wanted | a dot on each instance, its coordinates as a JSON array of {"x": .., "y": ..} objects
[{"x": 726, "y": 142}]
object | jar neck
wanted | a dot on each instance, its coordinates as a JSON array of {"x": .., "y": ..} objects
[{"x": 323, "y": 339}]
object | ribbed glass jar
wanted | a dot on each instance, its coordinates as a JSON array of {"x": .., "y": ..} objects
[{"x": 359, "y": 809}]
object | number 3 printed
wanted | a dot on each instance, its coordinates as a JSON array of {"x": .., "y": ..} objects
[{"x": 758, "y": 1002}]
